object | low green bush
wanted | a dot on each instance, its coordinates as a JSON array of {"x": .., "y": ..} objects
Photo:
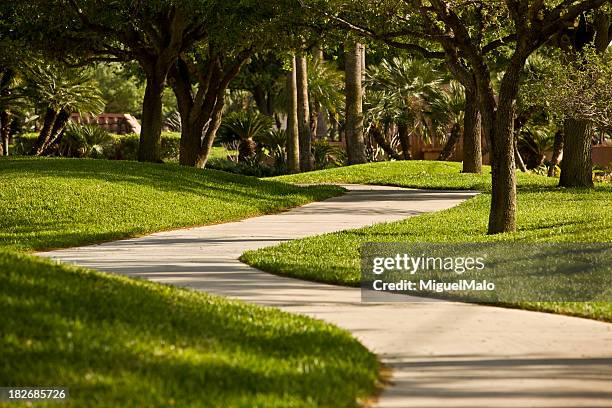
[{"x": 122, "y": 147}]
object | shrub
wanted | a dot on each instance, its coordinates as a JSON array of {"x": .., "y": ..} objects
[
  {"x": 86, "y": 141},
  {"x": 121, "y": 147}
]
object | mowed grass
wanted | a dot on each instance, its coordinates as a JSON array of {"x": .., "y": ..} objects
[
  {"x": 116, "y": 341},
  {"x": 545, "y": 214},
  {"x": 120, "y": 342},
  {"x": 436, "y": 175},
  {"x": 53, "y": 203}
]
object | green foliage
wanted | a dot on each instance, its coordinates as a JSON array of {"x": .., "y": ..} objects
[
  {"x": 121, "y": 90},
  {"x": 120, "y": 147},
  {"x": 116, "y": 341},
  {"x": 246, "y": 125},
  {"x": 327, "y": 156},
  {"x": 86, "y": 141},
  {"x": 61, "y": 88},
  {"x": 325, "y": 87},
  {"x": 404, "y": 91}
]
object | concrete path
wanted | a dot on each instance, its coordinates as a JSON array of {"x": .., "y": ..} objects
[{"x": 443, "y": 354}]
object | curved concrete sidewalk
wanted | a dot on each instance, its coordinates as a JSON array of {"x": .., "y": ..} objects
[{"x": 443, "y": 354}]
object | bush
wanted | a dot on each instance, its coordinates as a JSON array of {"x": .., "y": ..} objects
[
  {"x": 86, "y": 141},
  {"x": 253, "y": 169},
  {"x": 120, "y": 147}
]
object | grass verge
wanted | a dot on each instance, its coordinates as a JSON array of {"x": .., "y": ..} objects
[
  {"x": 116, "y": 341},
  {"x": 545, "y": 214}
]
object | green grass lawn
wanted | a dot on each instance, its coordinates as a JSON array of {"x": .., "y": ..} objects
[
  {"x": 116, "y": 341},
  {"x": 53, "y": 203},
  {"x": 120, "y": 342},
  {"x": 545, "y": 214}
]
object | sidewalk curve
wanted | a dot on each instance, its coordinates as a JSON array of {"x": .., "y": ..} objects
[{"x": 442, "y": 354}]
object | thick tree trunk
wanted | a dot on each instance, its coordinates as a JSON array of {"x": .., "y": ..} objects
[
  {"x": 556, "y": 154},
  {"x": 380, "y": 140},
  {"x": 502, "y": 216},
  {"x": 303, "y": 110},
  {"x": 472, "y": 135},
  {"x": 354, "y": 105},
  {"x": 577, "y": 163},
  {"x": 202, "y": 110},
  {"x": 602, "y": 30},
  {"x": 293, "y": 132},
  {"x": 45, "y": 132},
  {"x": 190, "y": 144},
  {"x": 404, "y": 139},
  {"x": 149, "y": 149},
  {"x": 263, "y": 101}
]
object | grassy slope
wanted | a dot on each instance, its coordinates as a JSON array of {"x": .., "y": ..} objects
[
  {"x": 52, "y": 203},
  {"x": 546, "y": 214},
  {"x": 116, "y": 341},
  {"x": 120, "y": 342}
]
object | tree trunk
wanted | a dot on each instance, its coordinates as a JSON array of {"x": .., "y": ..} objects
[
  {"x": 246, "y": 150},
  {"x": 202, "y": 110},
  {"x": 517, "y": 155},
  {"x": 45, "y": 132},
  {"x": 380, "y": 140},
  {"x": 149, "y": 149},
  {"x": 56, "y": 131},
  {"x": 472, "y": 135},
  {"x": 577, "y": 163},
  {"x": 214, "y": 123},
  {"x": 354, "y": 105},
  {"x": 314, "y": 121},
  {"x": 502, "y": 216},
  {"x": 5, "y": 132},
  {"x": 602, "y": 30},
  {"x": 190, "y": 144},
  {"x": 556, "y": 154},
  {"x": 449, "y": 148},
  {"x": 303, "y": 111},
  {"x": 404, "y": 139},
  {"x": 293, "y": 132}
]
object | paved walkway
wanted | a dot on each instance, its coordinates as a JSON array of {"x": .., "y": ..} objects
[{"x": 442, "y": 354}]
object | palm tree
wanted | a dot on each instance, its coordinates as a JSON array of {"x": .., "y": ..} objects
[
  {"x": 449, "y": 111},
  {"x": 355, "y": 143},
  {"x": 247, "y": 126},
  {"x": 325, "y": 90},
  {"x": 10, "y": 98},
  {"x": 60, "y": 91},
  {"x": 407, "y": 89}
]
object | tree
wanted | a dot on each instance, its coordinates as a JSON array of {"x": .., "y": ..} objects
[
  {"x": 153, "y": 34},
  {"x": 293, "y": 132},
  {"x": 408, "y": 88},
  {"x": 201, "y": 77},
  {"x": 303, "y": 112},
  {"x": 59, "y": 91},
  {"x": 466, "y": 33},
  {"x": 585, "y": 80},
  {"x": 201, "y": 109},
  {"x": 247, "y": 126},
  {"x": 354, "y": 104}
]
